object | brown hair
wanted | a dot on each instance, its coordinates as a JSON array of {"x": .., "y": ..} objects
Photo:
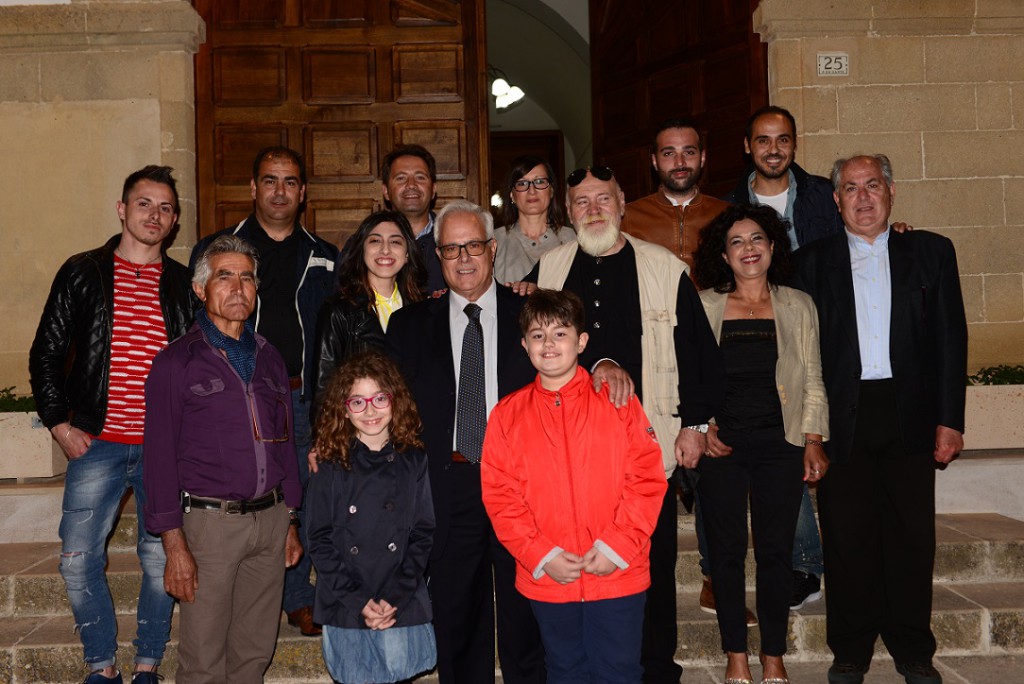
[
  {"x": 353, "y": 275},
  {"x": 551, "y": 306},
  {"x": 335, "y": 432}
]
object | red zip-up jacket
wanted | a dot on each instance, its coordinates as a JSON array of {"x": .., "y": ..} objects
[{"x": 566, "y": 469}]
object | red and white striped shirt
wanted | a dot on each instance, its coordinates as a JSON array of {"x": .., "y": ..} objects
[{"x": 139, "y": 333}]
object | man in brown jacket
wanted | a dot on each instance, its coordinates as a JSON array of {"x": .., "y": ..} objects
[{"x": 674, "y": 214}]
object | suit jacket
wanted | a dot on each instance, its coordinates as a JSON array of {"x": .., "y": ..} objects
[
  {"x": 419, "y": 340},
  {"x": 798, "y": 370},
  {"x": 927, "y": 337}
]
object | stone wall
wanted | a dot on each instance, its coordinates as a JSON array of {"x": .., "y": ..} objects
[
  {"x": 938, "y": 85},
  {"x": 89, "y": 92}
]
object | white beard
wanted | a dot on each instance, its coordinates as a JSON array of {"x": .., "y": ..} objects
[{"x": 597, "y": 243}]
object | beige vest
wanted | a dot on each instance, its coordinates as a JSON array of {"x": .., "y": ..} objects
[{"x": 658, "y": 273}]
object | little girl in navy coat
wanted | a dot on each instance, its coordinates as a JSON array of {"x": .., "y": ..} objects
[{"x": 370, "y": 527}]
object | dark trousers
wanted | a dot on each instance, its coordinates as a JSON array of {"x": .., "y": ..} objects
[
  {"x": 659, "y": 626},
  {"x": 595, "y": 642},
  {"x": 769, "y": 470},
  {"x": 298, "y": 592},
  {"x": 877, "y": 513},
  {"x": 464, "y": 591}
]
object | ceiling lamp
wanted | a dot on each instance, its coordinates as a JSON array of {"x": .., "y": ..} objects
[{"x": 504, "y": 93}]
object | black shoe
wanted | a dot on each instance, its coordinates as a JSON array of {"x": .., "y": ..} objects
[
  {"x": 919, "y": 673},
  {"x": 806, "y": 589},
  {"x": 846, "y": 673}
]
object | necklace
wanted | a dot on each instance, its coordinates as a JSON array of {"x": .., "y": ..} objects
[
  {"x": 138, "y": 267},
  {"x": 752, "y": 308}
]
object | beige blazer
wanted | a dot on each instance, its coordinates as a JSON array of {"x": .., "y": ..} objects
[{"x": 798, "y": 371}]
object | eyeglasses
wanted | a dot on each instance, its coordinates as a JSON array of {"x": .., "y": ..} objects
[
  {"x": 522, "y": 185},
  {"x": 599, "y": 172},
  {"x": 473, "y": 248},
  {"x": 282, "y": 408},
  {"x": 381, "y": 400}
]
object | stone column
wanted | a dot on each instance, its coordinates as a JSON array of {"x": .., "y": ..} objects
[
  {"x": 938, "y": 85},
  {"x": 89, "y": 92}
]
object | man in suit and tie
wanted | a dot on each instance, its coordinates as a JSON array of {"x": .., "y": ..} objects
[
  {"x": 461, "y": 353},
  {"x": 894, "y": 358}
]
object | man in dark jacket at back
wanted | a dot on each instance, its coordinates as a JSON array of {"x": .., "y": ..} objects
[
  {"x": 109, "y": 312},
  {"x": 805, "y": 200},
  {"x": 296, "y": 274}
]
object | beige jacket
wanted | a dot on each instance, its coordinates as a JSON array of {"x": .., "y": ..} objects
[
  {"x": 658, "y": 274},
  {"x": 798, "y": 371}
]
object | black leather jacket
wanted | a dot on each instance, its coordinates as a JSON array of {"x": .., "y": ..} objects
[
  {"x": 343, "y": 328},
  {"x": 69, "y": 363}
]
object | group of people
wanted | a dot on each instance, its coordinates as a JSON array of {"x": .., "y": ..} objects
[{"x": 464, "y": 427}]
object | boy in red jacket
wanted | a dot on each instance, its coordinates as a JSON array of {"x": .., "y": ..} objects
[{"x": 573, "y": 487}]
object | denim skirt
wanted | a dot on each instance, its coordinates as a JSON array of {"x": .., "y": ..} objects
[{"x": 360, "y": 656}]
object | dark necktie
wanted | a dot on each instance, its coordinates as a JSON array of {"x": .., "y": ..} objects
[{"x": 472, "y": 402}]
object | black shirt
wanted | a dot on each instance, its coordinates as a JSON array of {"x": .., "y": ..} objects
[
  {"x": 751, "y": 396},
  {"x": 698, "y": 358},
  {"x": 278, "y": 313},
  {"x": 611, "y": 299}
]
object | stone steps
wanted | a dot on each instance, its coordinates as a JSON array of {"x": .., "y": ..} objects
[{"x": 978, "y": 609}]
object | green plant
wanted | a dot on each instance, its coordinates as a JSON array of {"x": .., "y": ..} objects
[
  {"x": 12, "y": 403},
  {"x": 998, "y": 375}
]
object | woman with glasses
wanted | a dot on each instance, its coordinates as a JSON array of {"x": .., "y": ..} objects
[
  {"x": 768, "y": 433},
  {"x": 533, "y": 219},
  {"x": 381, "y": 271}
]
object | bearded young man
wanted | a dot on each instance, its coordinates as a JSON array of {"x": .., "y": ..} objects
[
  {"x": 669, "y": 357},
  {"x": 675, "y": 213}
]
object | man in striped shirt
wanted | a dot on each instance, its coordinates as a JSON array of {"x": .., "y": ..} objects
[{"x": 110, "y": 310}]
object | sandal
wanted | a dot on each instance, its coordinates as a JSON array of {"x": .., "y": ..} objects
[
  {"x": 736, "y": 680},
  {"x": 775, "y": 680}
]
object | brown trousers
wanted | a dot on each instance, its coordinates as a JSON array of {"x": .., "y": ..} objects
[{"x": 229, "y": 633}]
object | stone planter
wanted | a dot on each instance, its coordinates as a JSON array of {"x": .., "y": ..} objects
[
  {"x": 994, "y": 417},
  {"x": 27, "y": 449}
]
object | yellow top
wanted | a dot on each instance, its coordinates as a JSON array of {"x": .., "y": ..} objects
[{"x": 386, "y": 306}]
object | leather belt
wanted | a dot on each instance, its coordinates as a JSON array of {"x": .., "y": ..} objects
[
  {"x": 295, "y": 382},
  {"x": 458, "y": 457},
  {"x": 262, "y": 503}
]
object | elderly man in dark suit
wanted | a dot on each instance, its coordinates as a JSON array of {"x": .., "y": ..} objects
[
  {"x": 894, "y": 357},
  {"x": 460, "y": 353}
]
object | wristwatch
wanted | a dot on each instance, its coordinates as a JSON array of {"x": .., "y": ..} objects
[{"x": 702, "y": 428}]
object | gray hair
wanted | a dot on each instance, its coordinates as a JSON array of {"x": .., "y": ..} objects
[
  {"x": 463, "y": 207},
  {"x": 881, "y": 159},
  {"x": 225, "y": 244}
]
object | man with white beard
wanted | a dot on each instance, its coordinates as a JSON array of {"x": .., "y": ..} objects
[{"x": 648, "y": 334}]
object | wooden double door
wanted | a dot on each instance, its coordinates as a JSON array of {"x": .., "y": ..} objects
[{"x": 342, "y": 82}]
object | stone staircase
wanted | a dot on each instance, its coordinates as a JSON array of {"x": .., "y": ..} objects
[{"x": 978, "y": 607}]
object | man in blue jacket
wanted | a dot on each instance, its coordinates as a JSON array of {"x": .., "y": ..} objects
[
  {"x": 805, "y": 200},
  {"x": 296, "y": 274}
]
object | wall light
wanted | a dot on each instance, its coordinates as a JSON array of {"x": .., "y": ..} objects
[{"x": 505, "y": 94}]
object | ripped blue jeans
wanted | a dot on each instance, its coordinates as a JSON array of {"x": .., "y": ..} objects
[{"x": 93, "y": 488}]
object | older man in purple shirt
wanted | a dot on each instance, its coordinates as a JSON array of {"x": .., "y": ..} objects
[{"x": 221, "y": 476}]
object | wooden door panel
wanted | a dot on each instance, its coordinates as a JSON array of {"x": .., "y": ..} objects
[
  {"x": 337, "y": 13},
  {"x": 653, "y": 60},
  {"x": 343, "y": 82},
  {"x": 342, "y": 153},
  {"x": 428, "y": 73},
  {"x": 339, "y": 76}
]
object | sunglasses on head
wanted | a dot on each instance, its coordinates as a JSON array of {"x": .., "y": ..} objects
[{"x": 599, "y": 172}]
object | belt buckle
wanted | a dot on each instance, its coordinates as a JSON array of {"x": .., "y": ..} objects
[{"x": 233, "y": 507}]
